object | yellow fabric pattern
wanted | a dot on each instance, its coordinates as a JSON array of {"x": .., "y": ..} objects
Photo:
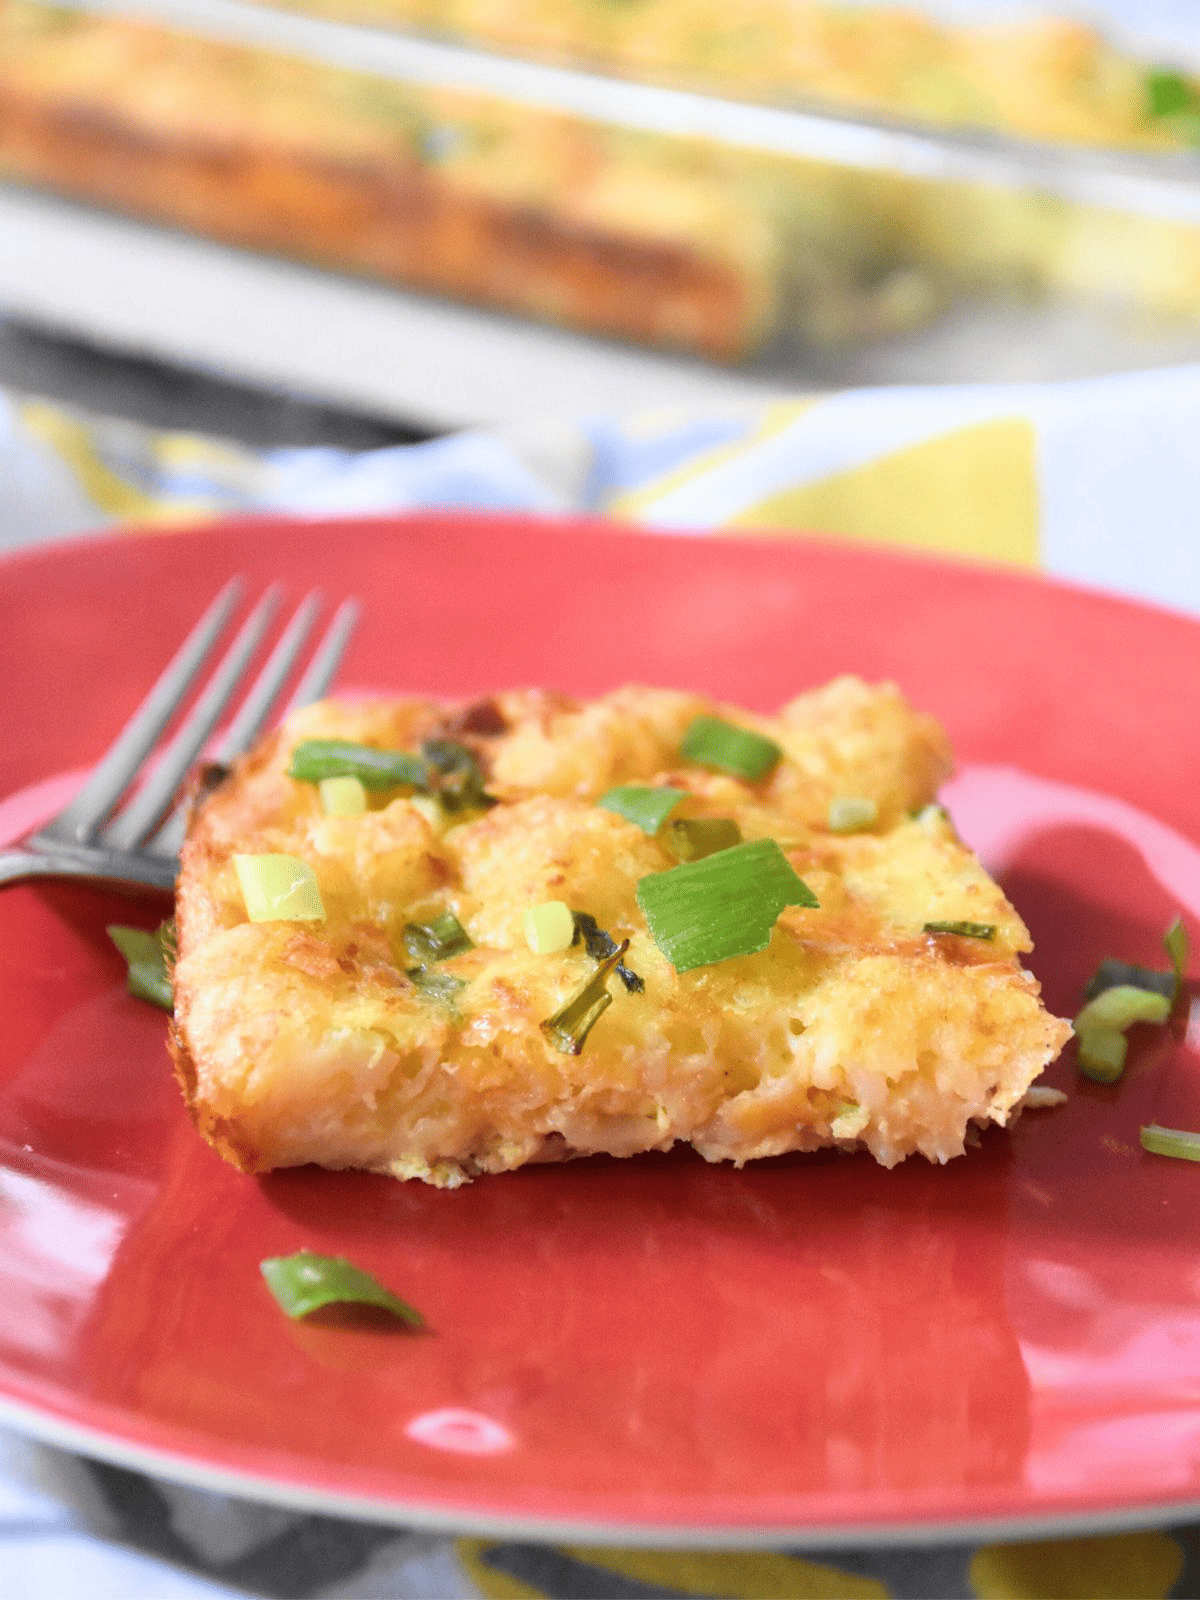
[
  {"x": 716, "y": 1575},
  {"x": 734, "y": 1575},
  {"x": 489, "y": 1581},
  {"x": 72, "y": 440},
  {"x": 969, "y": 492},
  {"x": 144, "y": 478},
  {"x": 773, "y": 420},
  {"x": 1123, "y": 1566},
  {"x": 188, "y": 452}
]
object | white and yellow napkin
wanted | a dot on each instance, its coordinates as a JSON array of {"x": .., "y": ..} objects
[{"x": 1095, "y": 480}]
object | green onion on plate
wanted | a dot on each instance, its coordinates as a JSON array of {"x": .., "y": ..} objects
[
  {"x": 1102, "y": 1053},
  {"x": 148, "y": 956},
  {"x": 304, "y": 1282},
  {"x": 1178, "y": 1142}
]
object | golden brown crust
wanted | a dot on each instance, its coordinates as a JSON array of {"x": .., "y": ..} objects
[{"x": 224, "y": 1134}]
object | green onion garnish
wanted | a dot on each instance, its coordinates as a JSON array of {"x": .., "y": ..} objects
[
  {"x": 429, "y": 942},
  {"x": 1168, "y": 93},
  {"x": 1122, "y": 1006},
  {"x": 726, "y": 905},
  {"x": 645, "y": 807},
  {"x": 443, "y": 768},
  {"x": 343, "y": 797},
  {"x": 1178, "y": 1142},
  {"x": 550, "y": 927},
  {"x": 1178, "y": 947},
  {"x": 694, "y": 838},
  {"x": 279, "y": 888},
  {"x": 458, "y": 781},
  {"x": 1120, "y": 994},
  {"x": 965, "y": 930},
  {"x": 713, "y": 742},
  {"x": 851, "y": 814},
  {"x": 305, "y": 1282},
  {"x": 339, "y": 758},
  {"x": 1111, "y": 974},
  {"x": 1102, "y": 1054},
  {"x": 435, "y": 985},
  {"x": 600, "y": 945},
  {"x": 147, "y": 956},
  {"x": 438, "y": 940},
  {"x": 568, "y": 1028}
]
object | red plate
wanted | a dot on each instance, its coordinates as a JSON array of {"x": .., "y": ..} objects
[{"x": 811, "y": 1349}]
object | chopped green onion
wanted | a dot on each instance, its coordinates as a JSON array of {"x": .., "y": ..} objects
[
  {"x": 600, "y": 945},
  {"x": 279, "y": 888},
  {"x": 645, "y": 807},
  {"x": 305, "y": 1282},
  {"x": 694, "y": 838},
  {"x": 726, "y": 905},
  {"x": 435, "y": 985},
  {"x": 1168, "y": 93},
  {"x": 147, "y": 956},
  {"x": 459, "y": 782},
  {"x": 444, "y": 768},
  {"x": 568, "y": 1028},
  {"x": 343, "y": 797},
  {"x": 438, "y": 940},
  {"x": 713, "y": 742},
  {"x": 1122, "y": 1006},
  {"x": 1102, "y": 1054},
  {"x": 1178, "y": 947},
  {"x": 426, "y": 806},
  {"x": 1120, "y": 995},
  {"x": 339, "y": 758},
  {"x": 965, "y": 930},
  {"x": 1111, "y": 974},
  {"x": 851, "y": 814},
  {"x": 549, "y": 927},
  {"x": 1178, "y": 1142},
  {"x": 429, "y": 942}
]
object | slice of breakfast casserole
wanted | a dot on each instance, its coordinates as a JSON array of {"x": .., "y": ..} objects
[{"x": 439, "y": 942}]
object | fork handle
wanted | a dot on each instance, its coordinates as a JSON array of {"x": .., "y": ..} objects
[{"x": 132, "y": 873}]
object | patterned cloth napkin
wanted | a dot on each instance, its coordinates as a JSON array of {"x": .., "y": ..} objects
[
  {"x": 1096, "y": 481},
  {"x": 1093, "y": 480}
]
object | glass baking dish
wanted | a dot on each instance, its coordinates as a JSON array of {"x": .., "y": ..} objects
[{"x": 720, "y": 227}]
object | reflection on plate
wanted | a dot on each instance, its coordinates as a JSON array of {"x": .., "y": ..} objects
[{"x": 652, "y": 1350}]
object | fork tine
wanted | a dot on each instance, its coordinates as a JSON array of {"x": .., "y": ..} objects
[
  {"x": 78, "y": 821},
  {"x": 131, "y": 826},
  {"x": 329, "y": 654},
  {"x": 265, "y": 690},
  {"x": 257, "y": 705}
]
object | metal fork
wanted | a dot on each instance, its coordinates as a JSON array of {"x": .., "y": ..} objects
[{"x": 114, "y": 831}]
